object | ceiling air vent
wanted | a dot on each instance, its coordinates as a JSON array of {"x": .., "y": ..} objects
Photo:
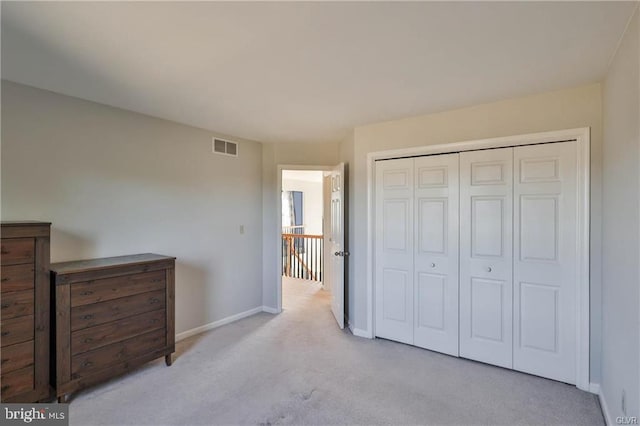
[{"x": 220, "y": 146}]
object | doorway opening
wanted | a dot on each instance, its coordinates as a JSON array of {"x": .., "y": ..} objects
[
  {"x": 311, "y": 243},
  {"x": 302, "y": 208}
]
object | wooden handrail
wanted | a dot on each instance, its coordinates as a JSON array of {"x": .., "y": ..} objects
[{"x": 301, "y": 236}]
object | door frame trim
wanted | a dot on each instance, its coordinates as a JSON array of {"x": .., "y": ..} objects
[
  {"x": 582, "y": 136},
  {"x": 278, "y": 248}
]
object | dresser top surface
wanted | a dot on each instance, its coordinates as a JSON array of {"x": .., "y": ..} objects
[
  {"x": 23, "y": 223},
  {"x": 76, "y": 266}
]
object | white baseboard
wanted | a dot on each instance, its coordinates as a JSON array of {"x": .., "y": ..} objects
[
  {"x": 270, "y": 310},
  {"x": 597, "y": 389},
  {"x": 219, "y": 323},
  {"x": 360, "y": 332}
]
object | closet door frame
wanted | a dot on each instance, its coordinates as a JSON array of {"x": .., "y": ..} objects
[{"x": 583, "y": 141}]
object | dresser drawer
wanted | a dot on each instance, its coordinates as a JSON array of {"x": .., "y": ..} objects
[
  {"x": 16, "y": 330},
  {"x": 17, "y": 250},
  {"x": 88, "y": 362},
  {"x": 102, "y": 335},
  {"x": 84, "y": 293},
  {"x": 17, "y": 382},
  {"x": 17, "y": 304},
  {"x": 99, "y": 313},
  {"x": 17, "y": 356},
  {"x": 16, "y": 277}
]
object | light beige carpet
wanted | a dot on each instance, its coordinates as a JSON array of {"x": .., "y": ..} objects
[{"x": 299, "y": 368}]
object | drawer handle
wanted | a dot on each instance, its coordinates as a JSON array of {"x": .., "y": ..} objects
[
  {"x": 4, "y": 280},
  {"x": 6, "y": 387},
  {"x": 87, "y": 317},
  {"x": 87, "y": 364},
  {"x": 86, "y": 293},
  {"x": 5, "y": 305},
  {"x": 88, "y": 340},
  {"x": 154, "y": 300},
  {"x": 3, "y": 251},
  {"x": 5, "y": 333}
]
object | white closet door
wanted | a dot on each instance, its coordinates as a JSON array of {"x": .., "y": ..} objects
[
  {"x": 394, "y": 250},
  {"x": 436, "y": 253},
  {"x": 545, "y": 213},
  {"x": 486, "y": 263}
]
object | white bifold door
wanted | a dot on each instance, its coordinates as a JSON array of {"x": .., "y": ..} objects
[
  {"x": 545, "y": 260},
  {"x": 475, "y": 255},
  {"x": 436, "y": 253},
  {"x": 394, "y": 250},
  {"x": 486, "y": 262},
  {"x": 417, "y": 251}
]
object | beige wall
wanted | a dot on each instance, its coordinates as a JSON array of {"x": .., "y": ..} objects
[
  {"x": 564, "y": 109},
  {"x": 114, "y": 182},
  {"x": 273, "y": 155},
  {"x": 621, "y": 228},
  {"x": 310, "y": 154}
]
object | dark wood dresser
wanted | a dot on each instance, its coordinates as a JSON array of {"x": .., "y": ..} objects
[
  {"x": 24, "y": 327},
  {"x": 111, "y": 316}
]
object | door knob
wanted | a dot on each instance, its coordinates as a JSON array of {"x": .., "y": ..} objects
[
  {"x": 433, "y": 265},
  {"x": 489, "y": 269}
]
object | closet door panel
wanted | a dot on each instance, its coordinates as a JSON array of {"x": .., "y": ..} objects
[
  {"x": 545, "y": 212},
  {"x": 486, "y": 261},
  {"x": 394, "y": 246},
  {"x": 436, "y": 253}
]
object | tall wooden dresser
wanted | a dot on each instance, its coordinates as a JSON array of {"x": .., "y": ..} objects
[
  {"x": 111, "y": 315},
  {"x": 24, "y": 327}
]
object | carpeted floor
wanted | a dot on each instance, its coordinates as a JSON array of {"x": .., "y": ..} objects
[{"x": 299, "y": 368}]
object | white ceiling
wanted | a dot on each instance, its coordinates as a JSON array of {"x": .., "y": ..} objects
[{"x": 305, "y": 72}]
